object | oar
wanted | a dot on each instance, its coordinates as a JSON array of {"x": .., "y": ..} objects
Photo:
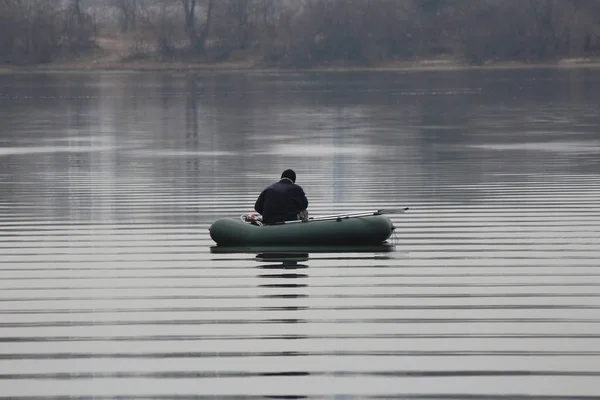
[{"x": 353, "y": 215}]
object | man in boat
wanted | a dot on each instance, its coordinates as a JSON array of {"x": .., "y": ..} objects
[{"x": 283, "y": 200}]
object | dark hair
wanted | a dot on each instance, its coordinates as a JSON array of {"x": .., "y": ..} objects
[{"x": 290, "y": 174}]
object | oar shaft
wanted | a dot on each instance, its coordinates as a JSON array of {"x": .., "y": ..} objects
[
  {"x": 354, "y": 215},
  {"x": 365, "y": 213}
]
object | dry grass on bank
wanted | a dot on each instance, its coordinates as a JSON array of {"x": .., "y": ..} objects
[{"x": 115, "y": 54}]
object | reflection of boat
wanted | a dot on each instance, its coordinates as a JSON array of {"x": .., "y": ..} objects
[
  {"x": 293, "y": 251},
  {"x": 371, "y": 229},
  {"x": 283, "y": 257}
]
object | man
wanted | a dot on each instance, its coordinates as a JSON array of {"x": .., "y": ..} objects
[{"x": 282, "y": 201}]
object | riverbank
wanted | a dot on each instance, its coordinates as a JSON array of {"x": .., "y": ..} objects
[
  {"x": 245, "y": 66},
  {"x": 114, "y": 55}
]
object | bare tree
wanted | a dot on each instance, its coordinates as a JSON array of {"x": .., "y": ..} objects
[
  {"x": 206, "y": 28},
  {"x": 242, "y": 14},
  {"x": 197, "y": 41},
  {"x": 302, "y": 33},
  {"x": 129, "y": 11},
  {"x": 163, "y": 25},
  {"x": 32, "y": 31},
  {"x": 77, "y": 33},
  {"x": 189, "y": 12}
]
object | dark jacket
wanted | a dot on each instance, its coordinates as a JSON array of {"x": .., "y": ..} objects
[{"x": 281, "y": 201}]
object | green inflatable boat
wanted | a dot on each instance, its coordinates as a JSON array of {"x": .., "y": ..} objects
[{"x": 370, "y": 228}]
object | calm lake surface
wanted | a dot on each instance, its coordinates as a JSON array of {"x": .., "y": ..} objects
[{"x": 109, "y": 288}]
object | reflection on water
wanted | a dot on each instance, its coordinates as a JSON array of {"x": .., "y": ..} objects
[
  {"x": 280, "y": 264},
  {"x": 110, "y": 286}
]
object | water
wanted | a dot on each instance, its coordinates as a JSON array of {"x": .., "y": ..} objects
[{"x": 109, "y": 288}]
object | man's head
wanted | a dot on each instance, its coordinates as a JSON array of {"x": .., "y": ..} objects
[{"x": 289, "y": 174}]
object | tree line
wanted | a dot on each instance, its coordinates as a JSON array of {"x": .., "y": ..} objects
[{"x": 304, "y": 33}]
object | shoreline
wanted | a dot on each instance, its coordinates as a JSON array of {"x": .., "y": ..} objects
[{"x": 245, "y": 67}]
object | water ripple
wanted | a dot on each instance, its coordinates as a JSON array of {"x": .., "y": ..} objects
[{"x": 109, "y": 287}]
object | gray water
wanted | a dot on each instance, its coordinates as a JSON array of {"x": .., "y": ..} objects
[{"x": 109, "y": 287}]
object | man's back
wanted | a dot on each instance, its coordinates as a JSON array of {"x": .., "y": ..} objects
[{"x": 281, "y": 201}]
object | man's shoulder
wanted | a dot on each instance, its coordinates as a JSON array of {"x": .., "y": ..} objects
[
  {"x": 283, "y": 185},
  {"x": 297, "y": 189},
  {"x": 294, "y": 186}
]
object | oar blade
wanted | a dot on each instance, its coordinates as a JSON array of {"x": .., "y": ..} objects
[{"x": 391, "y": 210}]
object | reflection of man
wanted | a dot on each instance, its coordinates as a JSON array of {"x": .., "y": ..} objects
[{"x": 283, "y": 200}]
